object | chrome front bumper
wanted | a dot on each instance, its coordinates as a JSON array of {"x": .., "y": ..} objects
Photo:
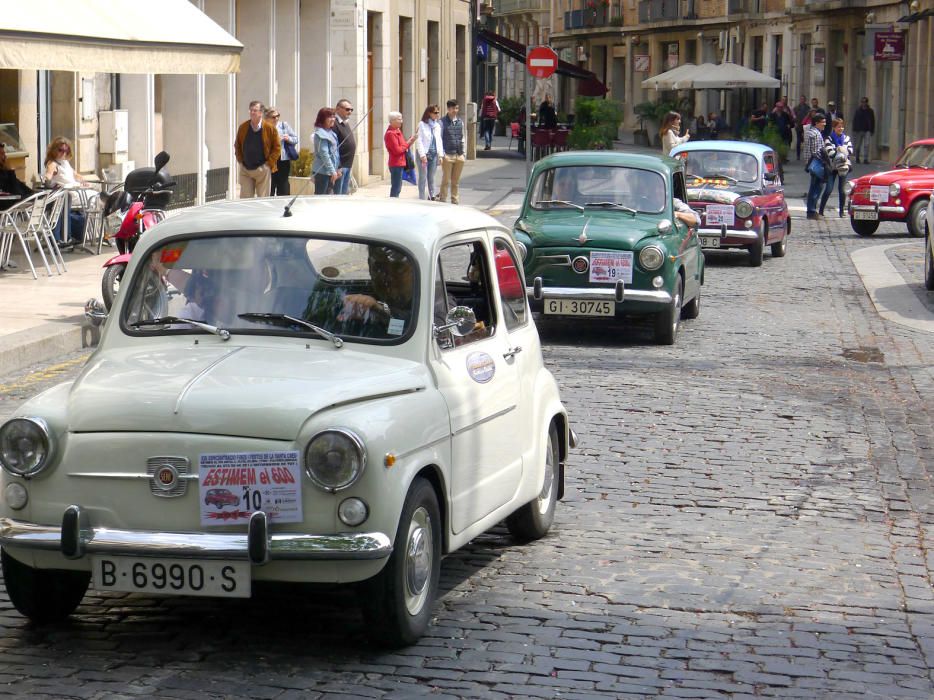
[
  {"x": 75, "y": 539},
  {"x": 730, "y": 233},
  {"x": 900, "y": 211},
  {"x": 601, "y": 294}
]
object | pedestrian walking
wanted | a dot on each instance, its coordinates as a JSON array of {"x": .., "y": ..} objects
[
  {"x": 346, "y": 144},
  {"x": 429, "y": 148},
  {"x": 326, "y": 166},
  {"x": 839, "y": 150},
  {"x": 288, "y": 141},
  {"x": 670, "y": 132},
  {"x": 801, "y": 112},
  {"x": 815, "y": 157},
  {"x": 832, "y": 113},
  {"x": 864, "y": 126},
  {"x": 257, "y": 149},
  {"x": 454, "y": 140},
  {"x": 489, "y": 111},
  {"x": 783, "y": 121},
  {"x": 396, "y": 146}
]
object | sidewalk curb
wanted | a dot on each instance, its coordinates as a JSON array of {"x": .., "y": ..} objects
[{"x": 44, "y": 342}]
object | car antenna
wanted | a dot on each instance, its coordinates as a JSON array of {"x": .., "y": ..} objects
[{"x": 288, "y": 207}]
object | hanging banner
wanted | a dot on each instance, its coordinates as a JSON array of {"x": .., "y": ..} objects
[{"x": 889, "y": 46}]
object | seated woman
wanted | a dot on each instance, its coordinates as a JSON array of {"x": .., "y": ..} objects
[{"x": 59, "y": 173}]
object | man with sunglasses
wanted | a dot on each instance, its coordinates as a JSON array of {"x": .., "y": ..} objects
[{"x": 346, "y": 144}]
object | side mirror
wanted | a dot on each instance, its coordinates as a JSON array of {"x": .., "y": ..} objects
[
  {"x": 161, "y": 160},
  {"x": 95, "y": 311},
  {"x": 664, "y": 226},
  {"x": 460, "y": 321}
]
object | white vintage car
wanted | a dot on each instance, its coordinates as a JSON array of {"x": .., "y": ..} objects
[{"x": 336, "y": 391}]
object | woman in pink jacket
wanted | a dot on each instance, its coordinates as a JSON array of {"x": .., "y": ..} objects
[{"x": 396, "y": 146}]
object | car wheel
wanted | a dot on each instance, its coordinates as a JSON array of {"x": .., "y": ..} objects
[
  {"x": 110, "y": 285},
  {"x": 668, "y": 320},
  {"x": 929, "y": 259},
  {"x": 864, "y": 228},
  {"x": 43, "y": 595},
  {"x": 692, "y": 308},
  {"x": 779, "y": 249},
  {"x": 533, "y": 520},
  {"x": 916, "y": 216},
  {"x": 397, "y": 601},
  {"x": 755, "y": 250}
]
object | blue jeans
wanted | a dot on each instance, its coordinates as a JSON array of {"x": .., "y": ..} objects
[
  {"x": 487, "y": 125},
  {"x": 814, "y": 192},
  {"x": 342, "y": 186},
  {"x": 840, "y": 180},
  {"x": 426, "y": 178},
  {"x": 395, "y": 180}
]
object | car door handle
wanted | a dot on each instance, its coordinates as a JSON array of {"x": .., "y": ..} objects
[{"x": 512, "y": 352}]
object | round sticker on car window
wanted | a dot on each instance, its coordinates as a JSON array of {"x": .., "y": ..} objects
[{"x": 480, "y": 367}]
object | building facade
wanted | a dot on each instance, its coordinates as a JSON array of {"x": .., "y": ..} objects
[{"x": 298, "y": 55}]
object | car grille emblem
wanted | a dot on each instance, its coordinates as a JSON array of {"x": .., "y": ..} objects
[
  {"x": 580, "y": 264},
  {"x": 167, "y": 476}
]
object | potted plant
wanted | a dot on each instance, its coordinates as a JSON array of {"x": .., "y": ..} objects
[
  {"x": 300, "y": 173},
  {"x": 508, "y": 113},
  {"x": 596, "y": 124}
]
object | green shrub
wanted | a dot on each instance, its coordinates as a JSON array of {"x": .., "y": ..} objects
[
  {"x": 509, "y": 110},
  {"x": 302, "y": 166},
  {"x": 596, "y": 123},
  {"x": 769, "y": 136}
]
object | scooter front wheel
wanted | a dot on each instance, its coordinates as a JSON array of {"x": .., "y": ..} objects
[{"x": 110, "y": 285}]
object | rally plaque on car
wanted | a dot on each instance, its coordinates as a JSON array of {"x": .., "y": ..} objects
[{"x": 235, "y": 485}]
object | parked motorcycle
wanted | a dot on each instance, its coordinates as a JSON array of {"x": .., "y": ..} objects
[{"x": 145, "y": 195}]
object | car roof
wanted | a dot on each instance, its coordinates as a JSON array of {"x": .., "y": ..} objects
[
  {"x": 750, "y": 147},
  {"x": 660, "y": 163},
  {"x": 416, "y": 225},
  {"x": 922, "y": 142}
]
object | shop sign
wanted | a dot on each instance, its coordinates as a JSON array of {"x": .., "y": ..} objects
[{"x": 889, "y": 46}]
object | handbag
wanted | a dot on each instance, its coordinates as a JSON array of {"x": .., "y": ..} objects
[
  {"x": 409, "y": 161},
  {"x": 816, "y": 168},
  {"x": 291, "y": 153}
]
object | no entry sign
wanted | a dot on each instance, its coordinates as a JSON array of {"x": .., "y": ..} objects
[{"x": 542, "y": 62}]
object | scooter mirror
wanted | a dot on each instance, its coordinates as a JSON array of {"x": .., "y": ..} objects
[{"x": 162, "y": 159}]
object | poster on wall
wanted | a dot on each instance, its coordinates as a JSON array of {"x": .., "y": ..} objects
[
  {"x": 889, "y": 46},
  {"x": 672, "y": 61},
  {"x": 641, "y": 63},
  {"x": 820, "y": 60}
]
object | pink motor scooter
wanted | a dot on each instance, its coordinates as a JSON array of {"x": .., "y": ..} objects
[{"x": 145, "y": 195}]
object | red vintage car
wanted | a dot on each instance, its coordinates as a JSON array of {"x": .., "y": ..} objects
[
  {"x": 220, "y": 498},
  {"x": 736, "y": 188},
  {"x": 899, "y": 194}
]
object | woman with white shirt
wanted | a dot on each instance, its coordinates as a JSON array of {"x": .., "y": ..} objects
[
  {"x": 59, "y": 173},
  {"x": 430, "y": 151},
  {"x": 669, "y": 133}
]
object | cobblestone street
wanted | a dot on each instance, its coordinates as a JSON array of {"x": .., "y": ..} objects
[{"x": 750, "y": 514}]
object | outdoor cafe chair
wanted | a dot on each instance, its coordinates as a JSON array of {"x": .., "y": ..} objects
[
  {"x": 513, "y": 134},
  {"x": 24, "y": 222},
  {"x": 541, "y": 143},
  {"x": 559, "y": 140}
]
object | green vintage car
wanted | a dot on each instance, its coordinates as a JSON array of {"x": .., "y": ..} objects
[{"x": 601, "y": 240}]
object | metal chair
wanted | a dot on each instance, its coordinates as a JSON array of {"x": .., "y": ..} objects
[
  {"x": 513, "y": 134},
  {"x": 51, "y": 214},
  {"x": 559, "y": 140},
  {"x": 541, "y": 143},
  {"x": 23, "y": 221}
]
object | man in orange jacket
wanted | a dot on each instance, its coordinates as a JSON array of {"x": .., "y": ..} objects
[{"x": 258, "y": 150}]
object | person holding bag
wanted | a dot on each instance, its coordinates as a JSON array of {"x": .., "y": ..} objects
[
  {"x": 326, "y": 165},
  {"x": 289, "y": 140},
  {"x": 430, "y": 150},
  {"x": 397, "y": 147},
  {"x": 839, "y": 150},
  {"x": 814, "y": 156}
]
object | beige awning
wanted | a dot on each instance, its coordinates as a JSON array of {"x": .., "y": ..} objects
[{"x": 115, "y": 36}]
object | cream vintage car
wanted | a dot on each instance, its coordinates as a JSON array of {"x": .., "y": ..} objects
[{"x": 332, "y": 391}]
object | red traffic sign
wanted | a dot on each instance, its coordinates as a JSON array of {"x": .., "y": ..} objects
[{"x": 541, "y": 62}]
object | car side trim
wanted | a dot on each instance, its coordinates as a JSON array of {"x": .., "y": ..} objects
[
  {"x": 86, "y": 540},
  {"x": 601, "y": 294}
]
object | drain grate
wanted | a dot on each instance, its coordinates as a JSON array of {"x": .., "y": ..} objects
[{"x": 864, "y": 354}]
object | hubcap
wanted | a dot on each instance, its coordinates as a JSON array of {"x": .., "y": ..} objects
[
  {"x": 418, "y": 561},
  {"x": 676, "y": 313},
  {"x": 544, "y": 498}
]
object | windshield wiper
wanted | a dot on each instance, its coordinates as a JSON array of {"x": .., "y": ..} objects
[
  {"x": 559, "y": 201},
  {"x": 222, "y": 333},
  {"x": 615, "y": 205},
  {"x": 285, "y": 321}
]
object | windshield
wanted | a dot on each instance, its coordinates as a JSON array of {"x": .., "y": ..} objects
[
  {"x": 921, "y": 156},
  {"x": 581, "y": 186},
  {"x": 351, "y": 290},
  {"x": 705, "y": 167}
]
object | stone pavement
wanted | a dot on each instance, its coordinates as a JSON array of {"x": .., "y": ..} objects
[{"x": 750, "y": 514}]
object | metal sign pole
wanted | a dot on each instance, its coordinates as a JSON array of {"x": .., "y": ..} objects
[{"x": 528, "y": 119}]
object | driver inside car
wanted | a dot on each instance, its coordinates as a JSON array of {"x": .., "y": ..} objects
[{"x": 388, "y": 310}]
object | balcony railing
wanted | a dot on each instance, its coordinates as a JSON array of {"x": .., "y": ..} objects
[
  {"x": 659, "y": 10},
  {"x": 507, "y": 7},
  {"x": 596, "y": 16}
]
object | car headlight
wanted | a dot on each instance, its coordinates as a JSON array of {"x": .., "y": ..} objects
[
  {"x": 335, "y": 459},
  {"x": 25, "y": 446},
  {"x": 894, "y": 189},
  {"x": 744, "y": 209},
  {"x": 848, "y": 188},
  {"x": 523, "y": 249},
  {"x": 651, "y": 257}
]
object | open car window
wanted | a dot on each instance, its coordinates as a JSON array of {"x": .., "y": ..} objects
[
  {"x": 255, "y": 284},
  {"x": 464, "y": 280},
  {"x": 597, "y": 185}
]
